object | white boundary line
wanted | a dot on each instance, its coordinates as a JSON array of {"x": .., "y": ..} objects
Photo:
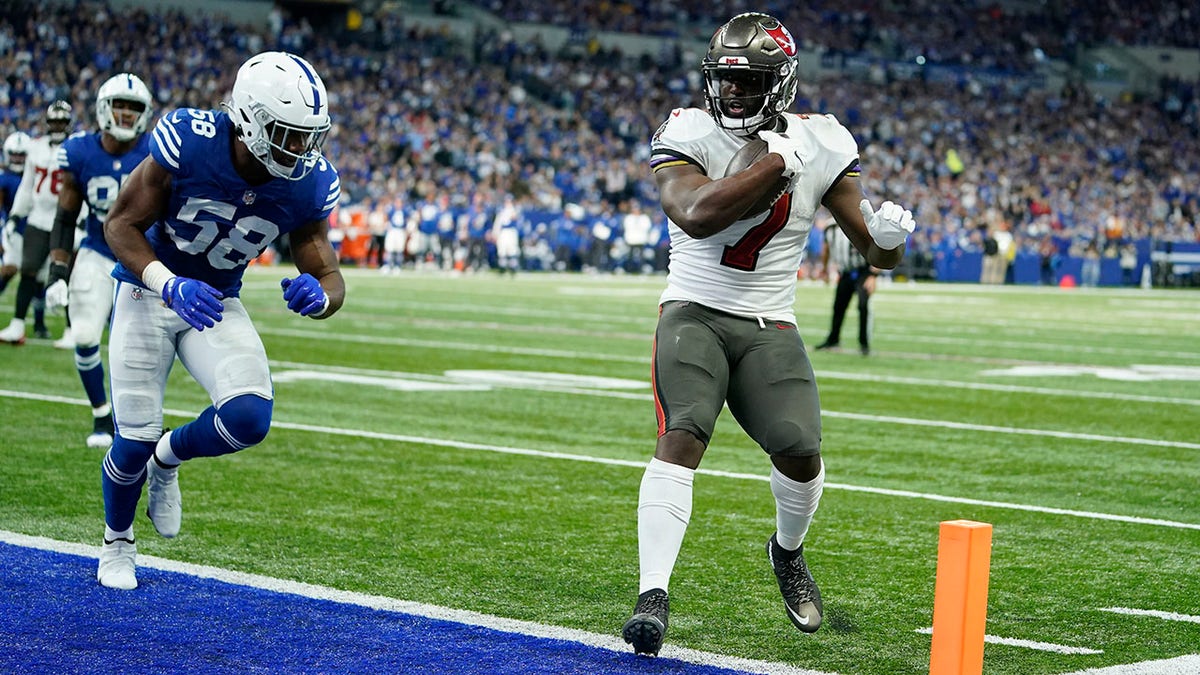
[
  {"x": 639, "y": 464},
  {"x": 600, "y": 640}
]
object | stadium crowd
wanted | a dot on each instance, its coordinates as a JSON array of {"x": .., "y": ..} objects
[{"x": 442, "y": 140}]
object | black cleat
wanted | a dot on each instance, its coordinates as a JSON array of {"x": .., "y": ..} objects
[
  {"x": 801, "y": 597},
  {"x": 828, "y": 346},
  {"x": 42, "y": 333},
  {"x": 648, "y": 626},
  {"x": 865, "y": 350}
]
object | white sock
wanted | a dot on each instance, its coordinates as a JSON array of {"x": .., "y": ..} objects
[
  {"x": 102, "y": 410},
  {"x": 664, "y": 509},
  {"x": 795, "y": 505},
  {"x": 113, "y": 535},
  {"x": 164, "y": 454}
]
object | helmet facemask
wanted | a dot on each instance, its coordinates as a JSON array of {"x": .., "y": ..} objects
[{"x": 758, "y": 53}]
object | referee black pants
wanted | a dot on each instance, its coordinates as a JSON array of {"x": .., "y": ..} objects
[{"x": 850, "y": 283}]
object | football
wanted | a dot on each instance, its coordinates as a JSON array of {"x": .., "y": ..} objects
[{"x": 749, "y": 154}]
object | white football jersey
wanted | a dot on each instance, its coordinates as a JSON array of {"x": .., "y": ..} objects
[
  {"x": 749, "y": 269},
  {"x": 37, "y": 198}
]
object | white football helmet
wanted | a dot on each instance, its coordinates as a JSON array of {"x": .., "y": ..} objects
[
  {"x": 279, "y": 102},
  {"x": 123, "y": 87},
  {"x": 16, "y": 147}
]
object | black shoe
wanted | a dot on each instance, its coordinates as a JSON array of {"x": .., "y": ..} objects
[
  {"x": 102, "y": 432},
  {"x": 42, "y": 333},
  {"x": 827, "y": 345},
  {"x": 801, "y": 597},
  {"x": 646, "y": 629},
  {"x": 866, "y": 351}
]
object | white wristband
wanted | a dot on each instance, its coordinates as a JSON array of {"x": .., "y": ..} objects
[
  {"x": 156, "y": 275},
  {"x": 324, "y": 309}
]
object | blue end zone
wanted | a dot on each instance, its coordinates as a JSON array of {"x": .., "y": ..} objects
[{"x": 54, "y": 617}]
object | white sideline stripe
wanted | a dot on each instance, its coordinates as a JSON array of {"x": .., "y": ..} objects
[
  {"x": 888, "y": 419},
  {"x": 645, "y": 360},
  {"x": 1007, "y": 388},
  {"x": 639, "y": 464},
  {"x": 1029, "y": 644},
  {"x": 1169, "y": 616},
  {"x": 1180, "y": 665},
  {"x": 600, "y": 640}
]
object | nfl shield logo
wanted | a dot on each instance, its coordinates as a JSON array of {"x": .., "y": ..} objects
[
  {"x": 136, "y": 293},
  {"x": 248, "y": 197}
]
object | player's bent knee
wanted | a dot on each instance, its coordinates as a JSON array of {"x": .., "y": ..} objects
[
  {"x": 247, "y": 418},
  {"x": 790, "y": 440}
]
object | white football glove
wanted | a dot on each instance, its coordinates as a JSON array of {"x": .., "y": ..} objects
[
  {"x": 57, "y": 295},
  {"x": 787, "y": 148},
  {"x": 889, "y": 226}
]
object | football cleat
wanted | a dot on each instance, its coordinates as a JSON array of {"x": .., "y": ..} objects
[
  {"x": 164, "y": 502},
  {"x": 66, "y": 341},
  {"x": 801, "y": 597},
  {"x": 102, "y": 432},
  {"x": 647, "y": 627},
  {"x": 117, "y": 568},
  {"x": 42, "y": 333},
  {"x": 14, "y": 333}
]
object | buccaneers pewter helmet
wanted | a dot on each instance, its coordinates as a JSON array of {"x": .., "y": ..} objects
[{"x": 751, "y": 44}]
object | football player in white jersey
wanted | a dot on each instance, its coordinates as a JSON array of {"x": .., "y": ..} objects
[
  {"x": 218, "y": 188},
  {"x": 36, "y": 201},
  {"x": 726, "y": 331},
  {"x": 94, "y": 167}
]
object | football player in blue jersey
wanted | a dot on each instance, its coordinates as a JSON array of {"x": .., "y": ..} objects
[
  {"x": 94, "y": 167},
  {"x": 218, "y": 188},
  {"x": 16, "y": 147}
]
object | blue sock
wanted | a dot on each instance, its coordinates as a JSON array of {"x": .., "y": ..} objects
[
  {"x": 121, "y": 476},
  {"x": 91, "y": 371},
  {"x": 39, "y": 311}
]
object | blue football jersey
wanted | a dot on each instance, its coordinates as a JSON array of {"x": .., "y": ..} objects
[
  {"x": 9, "y": 182},
  {"x": 99, "y": 176},
  {"x": 216, "y": 222}
]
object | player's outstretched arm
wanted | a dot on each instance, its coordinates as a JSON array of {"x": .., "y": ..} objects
[{"x": 320, "y": 290}]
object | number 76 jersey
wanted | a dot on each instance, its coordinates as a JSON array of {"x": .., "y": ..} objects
[
  {"x": 749, "y": 269},
  {"x": 215, "y": 222}
]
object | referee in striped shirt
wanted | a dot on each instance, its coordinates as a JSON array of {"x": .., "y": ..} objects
[{"x": 855, "y": 277}]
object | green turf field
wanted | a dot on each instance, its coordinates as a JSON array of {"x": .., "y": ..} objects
[{"x": 402, "y": 464}]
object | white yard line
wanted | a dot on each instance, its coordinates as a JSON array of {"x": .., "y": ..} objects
[
  {"x": 1168, "y": 616},
  {"x": 1029, "y": 644},
  {"x": 639, "y": 464}
]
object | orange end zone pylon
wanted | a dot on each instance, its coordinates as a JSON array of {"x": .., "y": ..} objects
[{"x": 960, "y": 598}]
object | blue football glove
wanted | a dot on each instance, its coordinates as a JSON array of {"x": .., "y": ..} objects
[
  {"x": 194, "y": 301},
  {"x": 304, "y": 295}
]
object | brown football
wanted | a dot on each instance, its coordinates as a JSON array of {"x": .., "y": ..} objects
[{"x": 749, "y": 154}]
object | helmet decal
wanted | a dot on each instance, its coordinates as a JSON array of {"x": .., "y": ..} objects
[{"x": 783, "y": 38}]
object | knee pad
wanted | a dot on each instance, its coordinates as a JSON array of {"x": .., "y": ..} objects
[{"x": 247, "y": 418}]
